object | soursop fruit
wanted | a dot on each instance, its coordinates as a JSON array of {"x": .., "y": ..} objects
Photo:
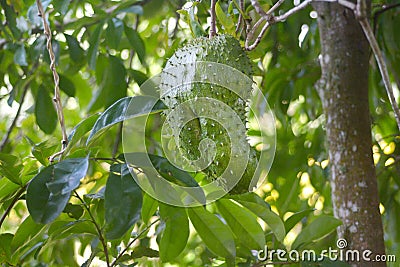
[{"x": 210, "y": 102}]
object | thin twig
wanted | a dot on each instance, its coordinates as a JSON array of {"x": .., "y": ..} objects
[
  {"x": 259, "y": 9},
  {"x": 98, "y": 229},
  {"x": 15, "y": 199},
  {"x": 132, "y": 241},
  {"x": 213, "y": 29},
  {"x": 275, "y": 7},
  {"x": 240, "y": 19},
  {"x": 361, "y": 14},
  {"x": 270, "y": 20},
  {"x": 57, "y": 98},
  {"x": 6, "y": 137}
]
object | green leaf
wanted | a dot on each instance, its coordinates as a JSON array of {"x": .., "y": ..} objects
[
  {"x": 46, "y": 116},
  {"x": 137, "y": 43},
  {"x": 243, "y": 224},
  {"x": 114, "y": 32},
  {"x": 113, "y": 84},
  {"x": 10, "y": 17},
  {"x": 317, "y": 229},
  {"x": 63, "y": 229},
  {"x": 81, "y": 129},
  {"x": 225, "y": 20},
  {"x": 141, "y": 251},
  {"x": 20, "y": 56},
  {"x": 73, "y": 211},
  {"x": 67, "y": 86},
  {"x": 138, "y": 106},
  {"x": 164, "y": 168},
  {"x": 138, "y": 76},
  {"x": 61, "y": 6},
  {"x": 49, "y": 191},
  {"x": 5, "y": 247},
  {"x": 10, "y": 168},
  {"x": 129, "y": 7},
  {"x": 149, "y": 207},
  {"x": 217, "y": 236},
  {"x": 123, "y": 201},
  {"x": 43, "y": 150},
  {"x": 295, "y": 218},
  {"x": 94, "y": 45},
  {"x": 76, "y": 52},
  {"x": 260, "y": 208},
  {"x": 176, "y": 233},
  {"x": 25, "y": 233}
]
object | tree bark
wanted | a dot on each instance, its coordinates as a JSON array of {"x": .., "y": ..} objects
[{"x": 343, "y": 89}]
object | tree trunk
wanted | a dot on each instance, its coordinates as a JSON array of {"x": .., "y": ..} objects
[{"x": 343, "y": 89}]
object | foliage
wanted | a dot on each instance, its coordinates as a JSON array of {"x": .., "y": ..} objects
[{"x": 86, "y": 208}]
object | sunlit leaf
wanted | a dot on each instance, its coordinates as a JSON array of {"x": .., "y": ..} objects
[
  {"x": 176, "y": 232},
  {"x": 317, "y": 229},
  {"x": 243, "y": 224},
  {"x": 217, "y": 236}
]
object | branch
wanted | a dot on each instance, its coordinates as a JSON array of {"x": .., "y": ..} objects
[
  {"x": 361, "y": 15},
  {"x": 6, "y": 137},
  {"x": 259, "y": 9},
  {"x": 240, "y": 19},
  {"x": 98, "y": 229},
  {"x": 132, "y": 241},
  {"x": 270, "y": 20},
  {"x": 213, "y": 30},
  {"x": 15, "y": 199},
  {"x": 56, "y": 99}
]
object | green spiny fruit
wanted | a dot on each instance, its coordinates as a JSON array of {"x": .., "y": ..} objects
[{"x": 180, "y": 83}]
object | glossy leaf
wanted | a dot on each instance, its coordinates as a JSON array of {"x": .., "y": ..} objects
[
  {"x": 138, "y": 106},
  {"x": 316, "y": 230},
  {"x": 243, "y": 224},
  {"x": 46, "y": 116},
  {"x": 176, "y": 232},
  {"x": 49, "y": 191},
  {"x": 217, "y": 236},
  {"x": 122, "y": 201}
]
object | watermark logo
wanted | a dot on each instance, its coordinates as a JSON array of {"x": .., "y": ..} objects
[
  {"x": 199, "y": 93},
  {"x": 340, "y": 253}
]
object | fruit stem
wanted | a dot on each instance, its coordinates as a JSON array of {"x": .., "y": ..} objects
[{"x": 213, "y": 30}]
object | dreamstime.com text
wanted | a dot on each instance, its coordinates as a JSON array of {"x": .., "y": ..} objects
[{"x": 333, "y": 254}]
